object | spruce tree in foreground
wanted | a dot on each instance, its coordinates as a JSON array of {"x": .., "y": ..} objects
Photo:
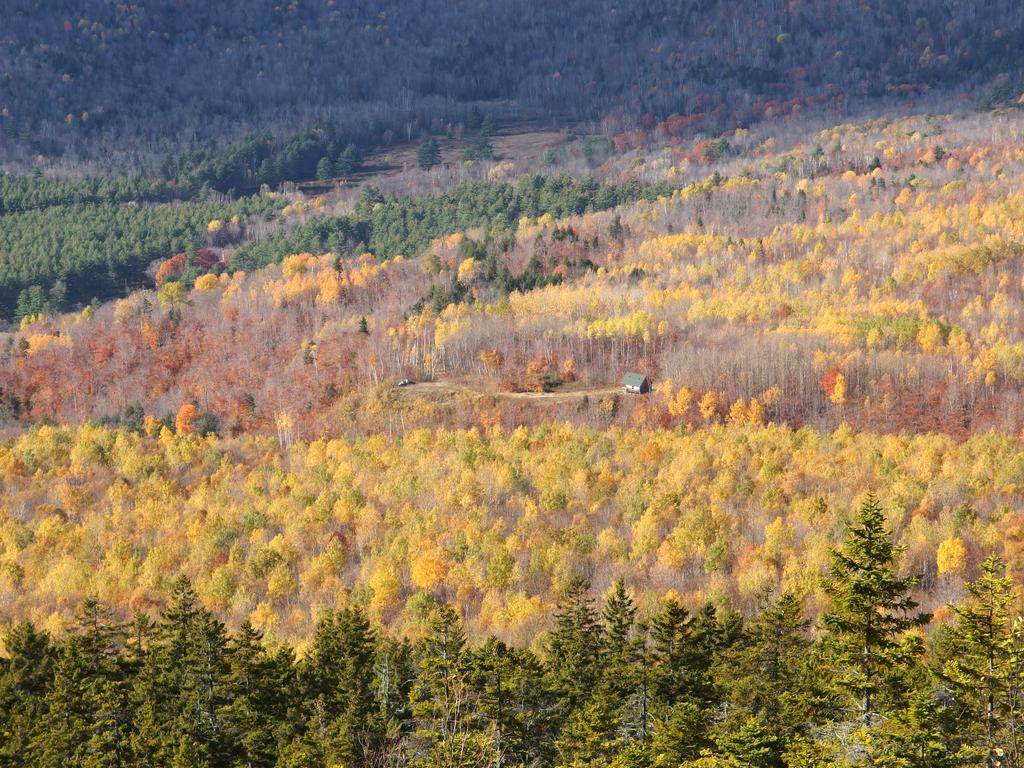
[
  {"x": 511, "y": 692},
  {"x": 443, "y": 702},
  {"x": 671, "y": 635},
  {"x": 625, "y": 680},
  {"x": 621, "y": 649},
  {"x": 87, "y": 714},
  {"x": 866, "y": 630},
  {"x": 259, "y": 687},
  {"x": 64, "y": 729},
  {"x": 182, "y": 687},
  {"x": 575, "y": 647},
  {"x": 767, "y": 675},
  {"x": 914, "y": 736},
  {"x": 983, "y": 670},
  {"x": 24, "y": 676}
]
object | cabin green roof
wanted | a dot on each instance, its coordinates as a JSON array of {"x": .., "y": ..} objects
[{"x": 633, "y": 380}]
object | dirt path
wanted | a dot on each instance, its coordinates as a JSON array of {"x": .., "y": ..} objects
[
  {"x": 564, "y": 395},
  {"x": 447, "y": 388}
]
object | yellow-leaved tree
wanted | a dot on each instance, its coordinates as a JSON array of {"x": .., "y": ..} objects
[
  {"x": 838, "y": 395},
  {"x": 951, "y": 558}
]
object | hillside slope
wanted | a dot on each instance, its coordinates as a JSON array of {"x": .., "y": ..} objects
[
  {"x": 100, "y": 79},
  {"x": 868, "y": 274}
]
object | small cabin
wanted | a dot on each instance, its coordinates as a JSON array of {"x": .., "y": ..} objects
[{"x": 636, "y": 384}]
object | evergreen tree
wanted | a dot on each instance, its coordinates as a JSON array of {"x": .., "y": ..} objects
[
  {"x": 587, "y": 658},
  {"x": 180, "y": 690},
  {"x": 710, "y": 637},
  {"x": 682, "y": 653},
  {"x": 188, "y": 755},
  {"x": 752, "y": 745},
  {"x": 871, "y": 613},
  {"x": 615, "y": 228},
  {"x": 86, "y": 718},
  {"x": 590, "y": 736},
  {"x": 620, "y": 646},
  {"x": 489, "y": 673},
  {"x": 487, "y": 126},
  {"x": 766, "y": 674},
  {"x": 338, "y": 679},
  {"x": 511, "y": 695},
  {"x": 258, "y": 700},
  {"x": 394, "y": 674},
  {"x": 109, "y": 746},
  {"x": 625, "y": 681},
  {"x": 24, "y": 677},
  {"x": 100, "y": 636},
  {"x": 803, "y": 752},
  {"x": 64, "y": 728},
  {"x": 980, "y": 670},
  {"x": 31, "y": 301},
  {"x": 442, "y": 702},
  {"x": 324, "y": 169},
  {"x": 671, "y": 637},
  {"x": 205, "y": 689},
  {"x": 301, "y": 752},
  {"x": 348, "y": 161},
  {"x": 681, "y": 731},
  {"x": 913, "y": 737},
  {"x": 575, "y": 647},
  {"x": 394, "y": 678},
  {"x": 428, "y": 155},
  {"x": 636, "y": 754},
  {"x": 480, "y": 149},
  {"x": 149, "y": 744},
  {"x": 138, "y": 635}
]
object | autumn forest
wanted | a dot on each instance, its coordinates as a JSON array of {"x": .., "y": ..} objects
[{"x": 315, "y": 449}]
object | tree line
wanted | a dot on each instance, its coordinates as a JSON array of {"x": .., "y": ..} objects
[
  {"x": 32, "y": 191},
  {"x": 245, "y": 165},
  {"x": 603, "y": 687}
]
